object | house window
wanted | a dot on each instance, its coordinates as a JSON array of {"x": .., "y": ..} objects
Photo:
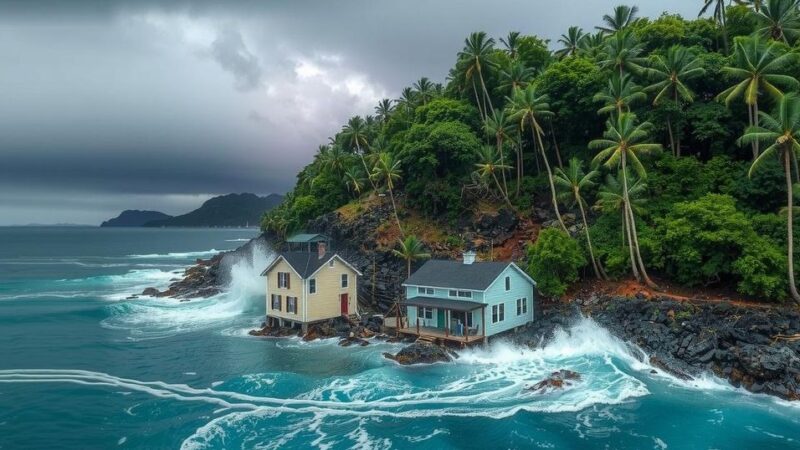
[
  {"x": 331, "y": 263},
  {"x": 283, "y": 280},
  {"x": 276, "y": 302},
  {"x": 312, "y": 286},
  {"x": 470, "y": 320},
  {"x": 426, "y": 313},
  {"x": 344, "y": 280},
  {"x": 291, "y": 305},
  {"x": 508, "y": 283},
  {"x": 461, "y": 294},
  {"x": 522, "y": 306},
  {"x": 425, "y": 291},
  {"x": 498, "y": 313}
]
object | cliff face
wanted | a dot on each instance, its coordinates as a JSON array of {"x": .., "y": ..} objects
[{"x": 134, "y": 218}]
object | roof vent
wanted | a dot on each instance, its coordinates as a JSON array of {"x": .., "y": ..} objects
[{"x": 469, "y": 257}]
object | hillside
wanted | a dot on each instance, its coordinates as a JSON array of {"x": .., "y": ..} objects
[
  {"x": 134, "y": 218},
  {"x": 232, "y": 210}
]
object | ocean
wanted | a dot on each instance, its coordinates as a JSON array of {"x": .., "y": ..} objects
[{"x": 84, "y": 367}]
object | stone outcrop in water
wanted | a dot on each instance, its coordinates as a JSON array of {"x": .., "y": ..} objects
[
  {"x": 349, "y": 332},
  {"x": 556, "y": 381},
  {"x": 422, "y": 352}
]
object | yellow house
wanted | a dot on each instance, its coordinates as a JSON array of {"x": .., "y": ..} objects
[{"x": 304, "y": 287}]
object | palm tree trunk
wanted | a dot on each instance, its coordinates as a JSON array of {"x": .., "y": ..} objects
[
  {"x": 671, "y": 138},
  {"x": 364, "y": 162},
  {"x": 502, "y": 163},
  {"x": 555, "y": 145},
  {"x": 677, "y": 131},
  {"x": 505, "y": 196},
  {"x": 588, "y": 238},
  {"x": 408, "y": 266},
  {"x": 519, "y": 163},
  {"x": 789, "y": 230},
  {"x": 632, "y": 221},
  {"x": 757, "y": 150},
  {"x": 549, "y": 177},
  {"x": 626, "y": 228},
  {"x": 478, "y": 101},
  {"x": 485, "y": 92},
  {"x": 396, "y": 217}
]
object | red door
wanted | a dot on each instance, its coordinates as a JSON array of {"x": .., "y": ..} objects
[{"x": 344, "y": 298}]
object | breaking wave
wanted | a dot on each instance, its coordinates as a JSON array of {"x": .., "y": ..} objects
[{"x": 177, "y": 255}]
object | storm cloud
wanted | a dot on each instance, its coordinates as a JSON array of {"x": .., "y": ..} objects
[{"x": 109, "y": 105}]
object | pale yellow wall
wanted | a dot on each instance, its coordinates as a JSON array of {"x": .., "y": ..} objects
[
  {"x": 296, "y": 284},
  {"x": 325, "y": 303}
]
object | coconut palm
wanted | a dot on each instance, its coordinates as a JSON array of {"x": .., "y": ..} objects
[
  {"x": 387, "y": 169},
  {"x": 473, "y": 59},
  {"x": 384, "y": 110},
  {"x": 511, "y": 43},
  {"x": 571, "y": 42},
  {"x": 515, "y": 76},
  {"x": 622, "y": 17},
  {"x": 611, "y": 199},
  {"x": 622, "y": 53},
  {"x": 573, "y": 182},
  {"x": 355, "y": 180},
  {"x": 410, "y": 249},
  {"x": 530, "y": 108},
  {"x": 424, "y": 90},
  {"x": 755, "y": 4},
  {"x": 779, "y": 20},
  {"x": 623, "y": 141},
  {"x": 619, "y": 95},
  {"x": 408, "y": 99},
  {"x": 355, "y": 134},
  {"x": 781, "y": 132},
  {"x": 499, "y": 127},
  {"x": 489, "y": 163},
  {"x": 719, "y": 17},
  {"x": 333, "y": 158},
  {"x": 757, "y": 66},
  {"x": 670, "y": 73}
]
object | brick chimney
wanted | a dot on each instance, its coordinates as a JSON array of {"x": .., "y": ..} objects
[{"x": 321, "y": 249}]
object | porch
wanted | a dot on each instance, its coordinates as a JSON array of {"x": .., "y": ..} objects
[{"x": 444, "y": 320}]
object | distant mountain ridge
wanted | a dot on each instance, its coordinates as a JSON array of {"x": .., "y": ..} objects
[
  {"x": 134, "y": 218},
  {"x": 231, "y": 210}
]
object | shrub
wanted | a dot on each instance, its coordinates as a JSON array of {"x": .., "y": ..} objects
[{"x": 554, "y": 261}]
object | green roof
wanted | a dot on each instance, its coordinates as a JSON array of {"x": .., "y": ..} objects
[{"x": 307, "y": 237}]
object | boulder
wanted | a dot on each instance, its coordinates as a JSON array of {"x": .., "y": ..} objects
[
  {"x": 422, "y": 353},
  {"x": 151, "y": 291},
  {"x": 556, "y": 381}
]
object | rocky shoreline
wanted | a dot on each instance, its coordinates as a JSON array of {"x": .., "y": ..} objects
[{"x": 753, "y": 348}]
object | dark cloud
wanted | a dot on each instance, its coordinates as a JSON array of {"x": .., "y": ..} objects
[{"x": 229, "y": 51}]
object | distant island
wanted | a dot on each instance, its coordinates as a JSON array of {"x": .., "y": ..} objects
[{"x": 134, "y": 218}]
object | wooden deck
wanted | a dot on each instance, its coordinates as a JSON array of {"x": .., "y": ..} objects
[{"x": 440, "y": 336}]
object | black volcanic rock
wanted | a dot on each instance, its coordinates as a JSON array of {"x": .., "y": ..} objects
[
  {"x": 134, "y": 218},
  {"x": 232, "y": 210}
]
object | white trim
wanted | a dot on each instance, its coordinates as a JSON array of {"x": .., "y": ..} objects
[
  {"x": 335, "y": 255},
  {"x": 511, "y": 264},
  {"x": 272, "y": 266}
]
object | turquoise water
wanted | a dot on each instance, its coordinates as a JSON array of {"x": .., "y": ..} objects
[{"x": 81, "y": 367}]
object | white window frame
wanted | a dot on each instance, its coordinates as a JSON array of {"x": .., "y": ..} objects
[
  {"x": 498, "y": 313},
  {"x": 312, "y": 286},
  {"x": 425, "y": 290},
  {"x": 272, "y": 304},
  {"x": 283, "y": 280},
  {"x": 522, "y": 306},
  {"x": 425, "y": 313},
  {"x": 459, "y": 293},
  {"x": 288, "y": 300},
  {"x": 344, "y": 281}
]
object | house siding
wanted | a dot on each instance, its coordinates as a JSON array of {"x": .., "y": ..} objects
[
  {"x": 295, "y": 290},
  {"x": 496, "y": 294}
]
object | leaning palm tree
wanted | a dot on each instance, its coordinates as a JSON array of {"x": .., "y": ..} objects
[
  {"x": 624, "y": 141},
  {"x": 719, "y": 17},
  {"x": 516, "y": 75},
  {"x": 573, "y": 182},
  {"x": 355, "y": 180},
  {"x": 622, "y": 53},
  {"x": 384, "y": 110},
  {"x": 410, "y": 249},
  {"x": 499, "y": 127},
  {"x": 488, "y": 165},
  {"x": 622, "y": 17},
  {"x": 511, "y": 43},
  {"x": 619, "y": 95},
  {"x": 757, "y": 67},
  {"x": 779, "y": 20},
  {"x": 781, "y": 132},
  {"x": 611, "y": 200},
  {"x": 529, "y": 108},
  {"x": 387, "y": 169},
  {"x": 670, "y": 73},
  {"x": 424, "y": 90},
  {"x": 571, "y": 42},
  {"x": 355, "y": 134},
  {"x": 474, "y": 58}
]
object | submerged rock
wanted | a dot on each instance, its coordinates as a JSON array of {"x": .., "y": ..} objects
[
  {"x": 557, "y": 380},
  {"x": 422, "y": 353}
]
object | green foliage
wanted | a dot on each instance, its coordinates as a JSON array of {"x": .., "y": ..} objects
[{"x": 554, "y": 261}]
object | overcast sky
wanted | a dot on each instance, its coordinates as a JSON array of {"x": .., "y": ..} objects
[{"x": 111, "y": 105}]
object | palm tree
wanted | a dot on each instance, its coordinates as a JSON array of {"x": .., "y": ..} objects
[
  {"x": 488, "y": 165},
  {"x": 625, "y": 140},
  {"x": 779, "y": 20},
  {"x": 670, "y": 73},
  {"x": 622, "y": 53},
  {"x": 611, "y": 199},
  {"x": 424, "y": 90},
  {"x": 572, "y": 182},
  {"x": 571, "y": 42},
  {"x": 355, "y": 134},
  {"x": 755, "y": 4},
  {"x": 499, "y": 127},
  {"x": 410, "y": 249},
  {"x": 511, "y": 43},
  {"x": 619, "y": 95},
  {"x": 622, "y": 18},
  {"x": 408, "y": 99},
  {"x": 355, "y": 179},
  {"x": 782, "y": 133},
  {"x": 528, "y": 107},
  {"x": 384, "y": 110},
  {"x": 719, "y": 17},
  {"x": 474, "y": 58},
  {"x": 591, "y": 45},
  {"x": 387, "y": 169},
  {"x": 333, "y": 158},
  {"x": 758, "y": 67},
  {"x": 515, "y": 76}
]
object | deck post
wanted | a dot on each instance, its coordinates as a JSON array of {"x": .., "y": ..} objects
[
  {"x": 446, "y": 327},
  {"x": 417, "y": 325},
  {"x": 483, "y": 323}
]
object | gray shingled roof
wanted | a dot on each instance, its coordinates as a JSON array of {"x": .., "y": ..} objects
[
  {"x": 455, "y": 274},
  {"x": 432, "y": 302},
  {"x": 305, "y": 263}
]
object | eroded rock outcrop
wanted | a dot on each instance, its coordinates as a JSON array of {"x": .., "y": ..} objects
[{"x": 422, "y": 352}]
